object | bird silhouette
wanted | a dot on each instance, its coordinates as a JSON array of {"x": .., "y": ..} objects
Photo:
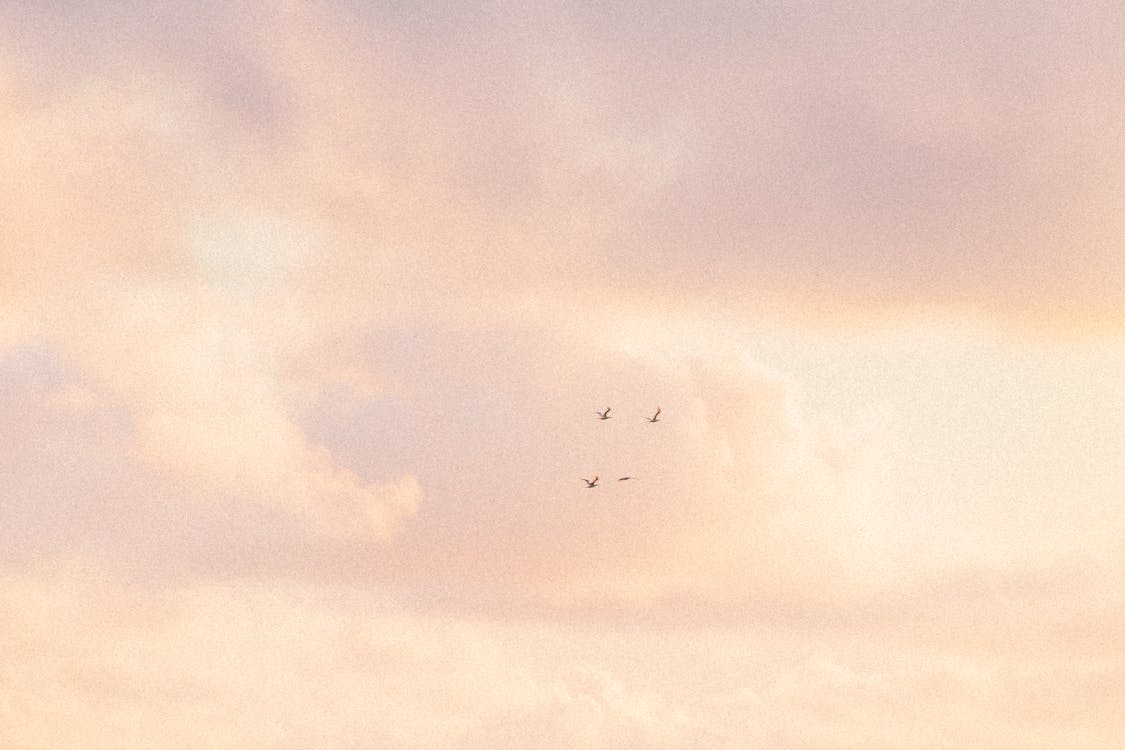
[
  {"x": 604, "y": 414},
  {"x": 591, "y": 482},
  {"x": 655, "y": 417},
  {"x": 622, "y": 479}
]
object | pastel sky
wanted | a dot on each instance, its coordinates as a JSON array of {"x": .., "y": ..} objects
[{"x": 306, "y": 310}]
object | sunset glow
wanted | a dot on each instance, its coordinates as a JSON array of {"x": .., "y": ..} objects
[{"x": 307, "y": 311}]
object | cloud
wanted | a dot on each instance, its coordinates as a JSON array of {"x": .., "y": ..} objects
[
  {"x": 266, "y": 279},
  {"x": 586, "y": 707},
  {"x": 737, "y": 494},
  {"x": 257, "y": 257},
  {"x": 813, "y": 162},
  {"x": 217, "y": 335},
  {"x": 123, "y": 264},
  {"x": 260, "y": 664},
  {"x": 204, "y": 376}
]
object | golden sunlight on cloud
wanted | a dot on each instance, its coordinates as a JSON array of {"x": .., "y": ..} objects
[{"x": 307, "y": 312}]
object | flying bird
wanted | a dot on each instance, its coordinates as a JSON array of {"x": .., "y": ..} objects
[
  {"x": 604, "y": 414},
  {"x": 622, "y": 479},
  {"x": 591, "y": 482},
  {"x": 655, "y": 417}
]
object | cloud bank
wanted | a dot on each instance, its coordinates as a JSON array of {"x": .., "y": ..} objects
[{"x": 305, "y": 312}]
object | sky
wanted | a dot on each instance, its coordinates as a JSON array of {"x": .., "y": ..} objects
[{"x": 307, "y": 309}]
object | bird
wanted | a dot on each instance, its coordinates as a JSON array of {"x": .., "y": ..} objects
[
  {"x": 655, "y": 417},
  {"x": 604, "y": 414},
  {"x": 622, "y": 479},
  {"x": 590, "y": 483}
]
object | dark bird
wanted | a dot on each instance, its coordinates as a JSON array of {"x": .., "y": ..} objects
[
  {"x": 604, "y": 414},
  {"x": 591, "y": 482},
  {"x": 655, "y": 417},
  {"x": 622, "y": 479}
]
